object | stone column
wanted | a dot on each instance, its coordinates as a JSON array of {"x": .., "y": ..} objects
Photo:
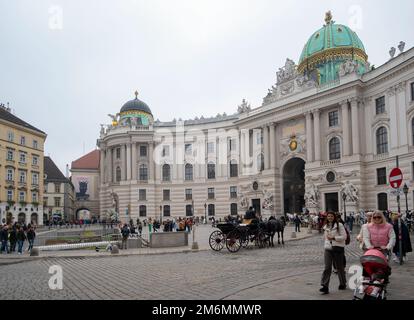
[
  {"x": 317, "y": 132},
  {"x": 102, "y": 166},
  {"x": 355, "y": 126},
  {"x": 266, "y": 146},
  {"x": 346, "y": 142},
  {"x": 272, "y": 153},
  {"x": 123, "y": 160},
  {"x": 128, "y": 161},
  {"x": 309, "y": 137},
  {"x": 134, "y": 169},
  {"x": 109, "y": 164},
  {"x": 400, "y": 92}
]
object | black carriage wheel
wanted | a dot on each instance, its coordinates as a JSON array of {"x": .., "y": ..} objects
[
  {"x": 217, "y": 240},
  {"x": 262, "y": 240},
  {"x": 233, "y": 241}
]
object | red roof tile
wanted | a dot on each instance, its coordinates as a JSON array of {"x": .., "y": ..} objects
[{"x": 88, "y": 161}]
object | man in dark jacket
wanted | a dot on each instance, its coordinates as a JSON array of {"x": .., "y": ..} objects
[
  {"x": 406, "y": 241},
  {"x": 21, "y": 237},
  {"x": 13, "y": 239},
  {"x": 4, "y": 238},
  {"x": 297, "y": 222},
  {"x": 31, "y": 235},
  {"x": 125, "y": 234}
]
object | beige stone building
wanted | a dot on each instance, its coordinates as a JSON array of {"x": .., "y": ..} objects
[
  {"x": 21, "y": 170},
  {"x": 325, "y": 138}
]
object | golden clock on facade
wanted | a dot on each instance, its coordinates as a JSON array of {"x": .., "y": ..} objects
[{"x": 293, "y": 145}]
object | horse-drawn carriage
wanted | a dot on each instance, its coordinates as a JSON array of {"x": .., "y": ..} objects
[{"x": 235, "y": 235}]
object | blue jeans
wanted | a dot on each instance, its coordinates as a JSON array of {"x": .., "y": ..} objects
[
  {"x": 20, "y": 246},
  {"x": 4, "y": 246},
  {"x": 30, "y": 244}
]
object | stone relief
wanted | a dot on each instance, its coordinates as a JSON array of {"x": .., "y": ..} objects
[
  {"x": 267, "y": 200},
  {"x": 244, "y": 107},
  {"x": 348, "y": 67},
  {"x": 311, "y": 195},
  {"x": 350, "y": 191},
  {"x": 288, "y": 72}
]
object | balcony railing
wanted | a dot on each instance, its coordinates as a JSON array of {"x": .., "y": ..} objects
[
  {"x": 380, "y": 156},
  {"x": 330, "y": 162}
]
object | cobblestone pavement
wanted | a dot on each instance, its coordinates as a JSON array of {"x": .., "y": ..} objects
[{"x": 289, "y": 272}]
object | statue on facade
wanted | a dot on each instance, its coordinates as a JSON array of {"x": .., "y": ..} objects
[
  {"x": 350, "y": 191},
  {"x": 244, "y": 107},
  {"x": 243, "y": 201},
  {"x": 392, "y": 52},
  {"x": 347, "y": 67},
  {"x": 311, "y": 195},
  {"x": 401, "y": 46},
  {"x": 267, "y": 200},
  {"x": 102, "y": 129},
  {"x": 288, "y": 72}
]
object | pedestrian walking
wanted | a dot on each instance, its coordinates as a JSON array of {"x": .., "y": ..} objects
[
  {"x": 406, "y": 242},
  {"x": 13, "y": 239},
  {"x": 125, "y": 234},
  {"x": 334, "y": 245},
  {"x": 4, "y": 238},
  {"x": 364, "y": 227},
  {"x": 21, "y": 237},
  {"x": 31, "y": 235},
  {"x": 140, "y": 228},
  {"x": 379, "y": 234},
  {"x": 297, "y": 222}
]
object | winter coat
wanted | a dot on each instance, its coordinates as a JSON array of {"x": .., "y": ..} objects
[
  {"x": 31, "y": 234},
  {"x": 21, "y": 235},
  {"x": 406, "y": 242},
  {"x": 4, "y": 235},
  {"x": 13, "y": 235},
  {"x": 339, "y": 234}
]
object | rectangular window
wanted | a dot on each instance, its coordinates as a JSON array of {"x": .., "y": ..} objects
[
  {"x": 412, "y": 91},
  {"x": 35, "y": 178},
  {"x": 381, "y": 176},
  {"x": 10, "y": 136},
  {"x": 165, "y": 151},
  {"x": 34, "y": 144},
  {"x": 211, "y": 193},
  {"x": 142, "y": 194},
  {"x": 9, "y": 174},
  {"x": 233, "y": 192},
  {"x": 23, "y": 141},
  {"x": 22, "y": 177},
  {"x": 166, "y": 195},
  {"x": 333, "y": 118},
  {"x": 380, "y": 105},
  {"x": 57, "y": 202},
  {"x": 34, "y": 197},
  {"x": 188, "y": 149},
  {"x": 10, "y": 155},
  {"x": 259, "y": 138},
  {"x": 9, "y": 195},
  {"x": 232, "y": 143},
  {"x": 45, "y": 201},
  {"x": 210, "y": 147},
  {"x": 35, "y": 161},
  {"x": 22, "y": 196},
  {"x": 143, "y": 151},
  {"x": 22, "y": 157},
  {"x": 57, "y": 188},
  {"x": 188, "y": 194},
  {"x": 118, "y": 153}
]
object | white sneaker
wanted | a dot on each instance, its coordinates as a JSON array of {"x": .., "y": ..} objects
[
  {"x": 395, "y": 259},
  {"x": 405, "y": 259}
]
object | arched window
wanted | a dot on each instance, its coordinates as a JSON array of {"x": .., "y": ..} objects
[
  {"x": 188, "y": 172},
  {"x": 142, "y": 211},
  {"x": 234, "y": 170},
  {"x": 260, "y": 162},
  {"x": 167, "y": 211},
  {"x": 118, "y": 174},
  {"x": 143, "y": 172},
  {"x": 382, "y": 201},
  {"x": 211, "y": 210},
  {"x": 334, "y": 149},
  {"x": 211, "y": 170},
  {"x": 233, "y": 209},
  {"x": 188, "y": 210},
  {"x": 166, "y": 172},
  {"x": 382, "y": 141}
]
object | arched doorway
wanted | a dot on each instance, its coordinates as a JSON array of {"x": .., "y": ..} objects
[
  {"x": 22, "y": 218},
  {"x": 83, "y": 214},
  {"x": 294, "y": 185},
  {"x": 34, "y": 219}
]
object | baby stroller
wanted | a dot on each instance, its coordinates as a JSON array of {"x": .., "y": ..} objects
[{"x": 375, "y": 274}]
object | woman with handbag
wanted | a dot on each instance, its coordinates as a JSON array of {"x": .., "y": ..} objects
[{"x": 334, "y": 245}]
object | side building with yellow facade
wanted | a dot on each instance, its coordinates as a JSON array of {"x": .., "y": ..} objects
[{"x": 21, "y": 170}]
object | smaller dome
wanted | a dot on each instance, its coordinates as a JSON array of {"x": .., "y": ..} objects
[{"x": 136, "y": 105}]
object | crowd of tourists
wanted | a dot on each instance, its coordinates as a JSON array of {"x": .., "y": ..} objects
[{"x": 15, "y": 235}]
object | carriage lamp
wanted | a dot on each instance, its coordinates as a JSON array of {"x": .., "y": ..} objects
[{"x": 405, "y": 190}]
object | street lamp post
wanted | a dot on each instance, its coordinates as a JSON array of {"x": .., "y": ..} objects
[
  {"x": 160, "y": 214},
  {"x": 405, "y": 190},
  {"x": 205, "y": 212},
  {"x": 344, "y": 199}
]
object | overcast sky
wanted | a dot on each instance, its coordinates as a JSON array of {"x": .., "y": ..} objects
[{"x": 64, "y": 65}]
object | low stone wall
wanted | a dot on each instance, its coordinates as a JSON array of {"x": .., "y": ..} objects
[{"x": 168, "y": 239}]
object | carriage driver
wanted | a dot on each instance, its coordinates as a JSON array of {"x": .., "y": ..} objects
[{"x": 250, "y": 216}]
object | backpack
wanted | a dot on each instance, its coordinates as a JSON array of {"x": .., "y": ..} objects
[{"x": 348, "y": 237}]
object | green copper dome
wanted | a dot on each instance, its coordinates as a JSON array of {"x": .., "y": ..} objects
[{"x": 329, "y": 47}]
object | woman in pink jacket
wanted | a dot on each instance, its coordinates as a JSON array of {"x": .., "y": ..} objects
[{"x": 379, "y": 233}]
